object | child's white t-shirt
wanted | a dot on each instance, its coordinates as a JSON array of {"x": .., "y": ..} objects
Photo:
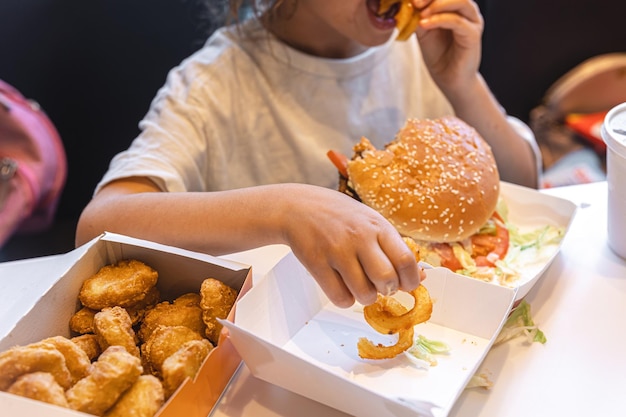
[{"x": 247, "y": 110}]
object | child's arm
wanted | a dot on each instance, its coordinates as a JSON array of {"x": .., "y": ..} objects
[
  {"x": 450, "y": 38},
  {"x": 351, "y": 250}
]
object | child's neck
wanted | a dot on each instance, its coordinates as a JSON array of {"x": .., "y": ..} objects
[{"x": 312, "y": 36}]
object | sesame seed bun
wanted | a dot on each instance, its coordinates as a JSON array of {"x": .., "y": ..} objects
[{"x": 436, "y": 181}]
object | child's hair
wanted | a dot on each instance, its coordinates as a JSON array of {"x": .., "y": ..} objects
[
  {"x": 223, "y": 12},
  {"x": 242, "y": 9}
]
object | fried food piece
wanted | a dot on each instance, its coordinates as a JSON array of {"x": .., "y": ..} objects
[
  {"x": 385, "y": 319},
  {"x": 39, "y": 386},
  {"x": 82, "y": 321},
  {"x": 415, "y": 248},
  {"x": 137, "y": 311},
  {"x": 21, "y": 360},
  {"x": 114, "y": 372},
  {"x": 142, "y": 399},
  {"x": 163, "y": 342},
  {"x": 89, "y": 344},
  {"x": 184, "y": 363},
  {"x": 369, "y": 350},
  {"x": 388, "y": 316},
  {"x": 76, "y": 360},
  {"x": 184, "y": 311},
  {"x": 407, "y": 17},
  {"x": 188, "y": 299},
  {"x": 216, "y": 301},
  {"x": 113, "y": 327},
  {"x": 123, "y": 284}
]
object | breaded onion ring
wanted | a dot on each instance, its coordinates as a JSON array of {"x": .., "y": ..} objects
[
  {"x": 385, "y": 319},
  {"x": 407, "y": 17},
  {"x": 368, "y": 350},
  {"x": 388, "y": 316}
]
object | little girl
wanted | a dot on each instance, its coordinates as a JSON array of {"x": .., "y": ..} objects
[{"x": 232, "y": 153}]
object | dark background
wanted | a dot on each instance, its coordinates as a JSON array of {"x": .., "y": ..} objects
[{"x": 95, "y": 65}]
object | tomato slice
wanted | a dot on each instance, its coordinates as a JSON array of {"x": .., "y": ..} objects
[
  {"x": 340, "y": 161},
  {"x": 496, "y": 246},
  {"x": 448, "y": 259},
  {"x": 487, "y": 247}
]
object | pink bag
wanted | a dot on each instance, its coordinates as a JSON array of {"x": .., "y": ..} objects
[{"x": 33, "y": 165}]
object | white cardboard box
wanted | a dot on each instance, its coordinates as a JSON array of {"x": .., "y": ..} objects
[
  {"x": 180, "y": 271},
  {"x": 529, "y": 210},
  {"x": 289, "y": 334}
]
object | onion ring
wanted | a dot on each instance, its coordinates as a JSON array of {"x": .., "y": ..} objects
[
  {"x": 386, "y": 320},
  {"x": 388, "y": 316},
  {"x": 369, "y": 350},
  {"x": 407, "y": 18}
]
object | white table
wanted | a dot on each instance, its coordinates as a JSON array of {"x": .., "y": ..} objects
[{"x": 580, "y": 304}]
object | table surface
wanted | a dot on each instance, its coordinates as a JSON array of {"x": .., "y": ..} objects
[{"x": 579, "y": 303}]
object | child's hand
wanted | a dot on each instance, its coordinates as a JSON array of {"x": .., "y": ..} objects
[
  {"x": 450, "y": 34},
  {"x": 350, "y": 249}
]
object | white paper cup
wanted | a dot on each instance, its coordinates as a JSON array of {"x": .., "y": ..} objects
[{"x": 614, "y": 135}]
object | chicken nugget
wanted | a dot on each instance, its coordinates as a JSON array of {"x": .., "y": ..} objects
[
  {"x": 216, "y": 301},
  {"x": 182, "y": 312},
  {"x": 163, "y": 342},
  {"x": 137, "y": 311},
  {"x": 189, "y": 299},
  {"x": 113, "y": 327},
  {"x": 82, "y": 321},
  {"x": 114, "y": 372},
  {"x": 89, "y": 344},
  {"x": 184, "y": 363},
  {"x": 21, "y": 360},
  {"x": 76, "y": 359},
  {"x": 39, "y": 386},
  {"x": 143, "y": 399},
  {"x": 123, "y": 284}
]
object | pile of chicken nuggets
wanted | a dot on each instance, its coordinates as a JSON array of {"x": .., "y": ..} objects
[{"x": 130, "y": 349}]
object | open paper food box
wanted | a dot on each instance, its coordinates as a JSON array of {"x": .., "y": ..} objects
[
  {"x": 179, "y": 271},
  {"x": 289, "y": 334}
]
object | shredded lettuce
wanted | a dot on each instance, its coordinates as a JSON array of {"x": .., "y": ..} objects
[
  {"x": 520, "y": 323},
  {"x": 479, "y": 381},
  {"x": 527, "y": 253},
  {"x": 527, "y": 250},
  {"x": 424, "y": 350}
]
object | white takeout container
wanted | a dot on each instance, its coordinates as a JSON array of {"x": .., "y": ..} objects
[
  {"x": 180, "y": 271},
  {"x": 529, "y": 210},
  {"x": 290, "y": 335}
]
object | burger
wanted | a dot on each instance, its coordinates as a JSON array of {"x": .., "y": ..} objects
[{"x": 437, "y": 183}]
